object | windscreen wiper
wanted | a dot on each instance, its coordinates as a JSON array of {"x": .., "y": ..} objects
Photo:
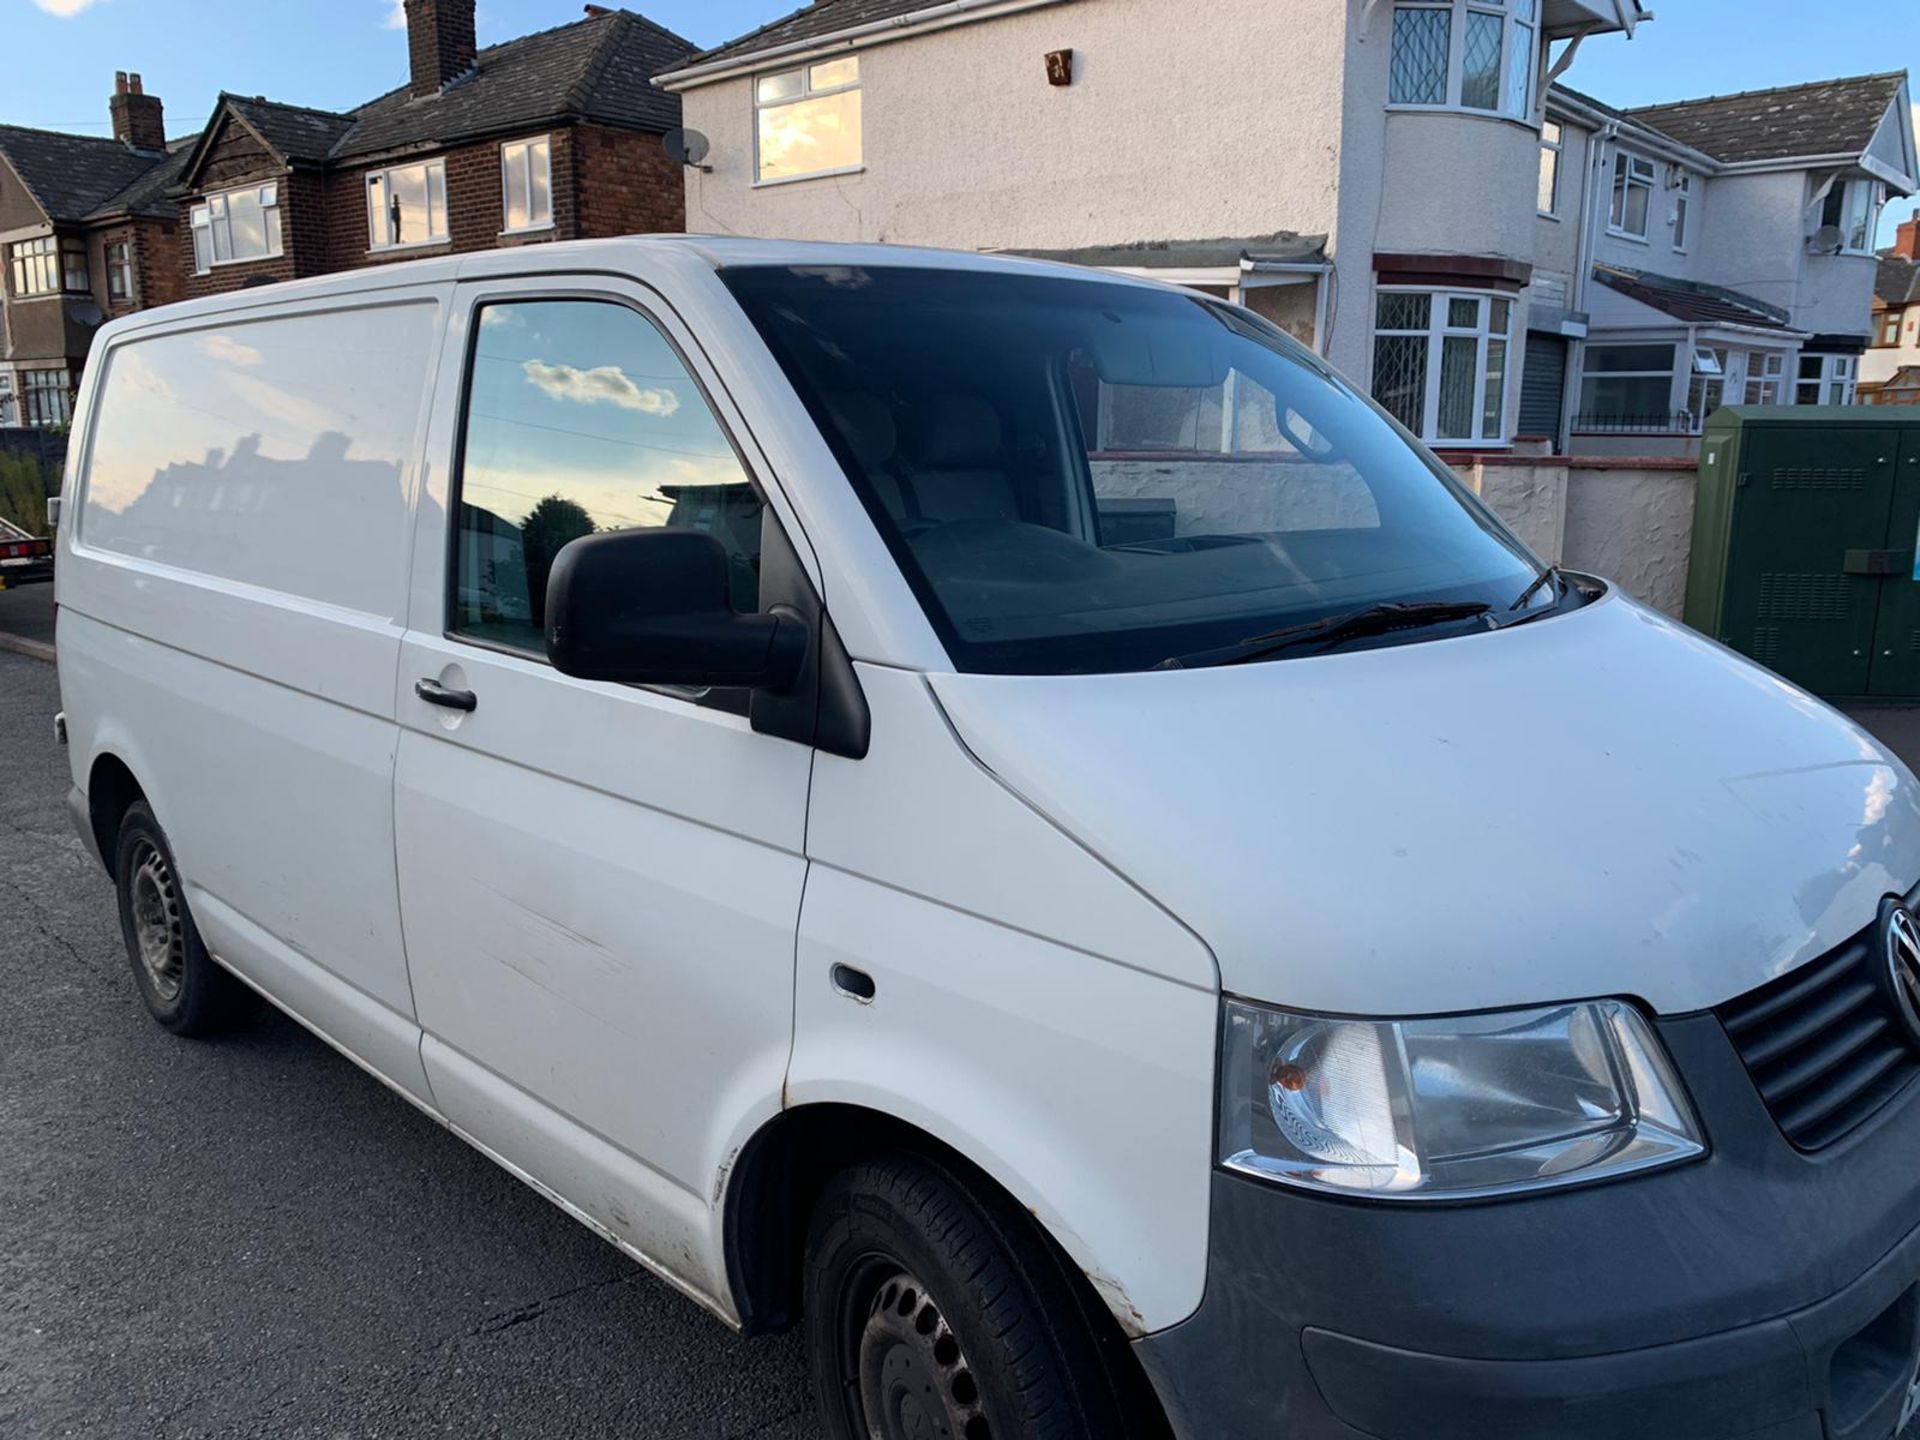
[
  {"x": 1550, "y": 575},
  {"x": 1374, "y": 620}
]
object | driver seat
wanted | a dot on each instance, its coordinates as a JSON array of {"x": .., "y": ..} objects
[{"x": 957, "y": 476}]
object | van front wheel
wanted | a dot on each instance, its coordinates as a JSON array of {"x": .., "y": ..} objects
[
  {"x": 934, "y": 1309},
  {"x": 183, "y": 988}
]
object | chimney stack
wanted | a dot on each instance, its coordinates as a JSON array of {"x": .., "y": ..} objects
[
  {"x": 1906, "y": 243},
  {"x": 440, "y": 43},
  {"x": 139, "y": 119}
]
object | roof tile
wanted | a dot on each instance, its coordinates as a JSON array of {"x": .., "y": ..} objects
[
  {"x": 811, "y": 22},
  {"x": 70, "y": 176},
  {"x": 1829, "y": 117}
]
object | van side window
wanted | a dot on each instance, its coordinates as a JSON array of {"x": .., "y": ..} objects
[{"x": 581, "y": 417}]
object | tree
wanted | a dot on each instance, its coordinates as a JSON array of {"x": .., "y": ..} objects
[
  {"x": 549, "y": 527},
  {"x": 23, "y": 493}
]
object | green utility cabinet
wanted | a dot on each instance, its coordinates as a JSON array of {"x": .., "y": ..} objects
[{"x": 1805, "y": 533}]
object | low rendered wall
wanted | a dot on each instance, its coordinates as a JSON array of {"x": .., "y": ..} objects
[{"x": 1627, "y": 520}]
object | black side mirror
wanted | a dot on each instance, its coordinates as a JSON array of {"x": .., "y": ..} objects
[{"x": 655, "y": 607}]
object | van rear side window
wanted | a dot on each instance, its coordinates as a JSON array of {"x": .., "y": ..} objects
[{"x": 273, "y": 452}]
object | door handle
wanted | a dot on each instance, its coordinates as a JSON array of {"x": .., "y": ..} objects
[{"x": 434, "y": 693}]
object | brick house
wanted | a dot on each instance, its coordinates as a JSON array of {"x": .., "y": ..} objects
[
  {"x": 553, "y": 136},
  {"x": 89, "y": 232},
  {"x": 1890, "y": 370}
]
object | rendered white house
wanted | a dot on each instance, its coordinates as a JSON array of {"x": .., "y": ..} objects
[{"x": 1401, "y": 183}]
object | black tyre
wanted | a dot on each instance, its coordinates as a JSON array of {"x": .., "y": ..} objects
[
  {"x": 935, "y": 1310},
  {"x": 184, "y": 989}
]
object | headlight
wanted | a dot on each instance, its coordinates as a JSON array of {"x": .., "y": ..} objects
[{"x": 1446, "y": 1109}]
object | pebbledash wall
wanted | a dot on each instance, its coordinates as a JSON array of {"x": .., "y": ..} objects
[{"x": 1628, "y": 520}]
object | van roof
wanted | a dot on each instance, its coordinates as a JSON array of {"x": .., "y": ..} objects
[{"x": 626, "y": 254}]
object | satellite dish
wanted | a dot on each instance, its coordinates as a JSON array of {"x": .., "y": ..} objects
[
  {"x": 689, "y": 147},
  {"x": 1827, "y": 240}
]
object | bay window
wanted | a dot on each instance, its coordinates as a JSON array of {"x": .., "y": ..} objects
[
  {"x": 237, "y": 226},
  {"x": 48, "y": 266},
  {"x": 1440, "y": 363},
  {"x": 1627, "y": 388},
  {"x": 1467, "y": 54},
  {"x": 1632, "y": 195},
  {"x": 526, "y": 181},
  {"x": 807, "y": 121},
  {"x": 46, "y": 396},
  {"x": 407, "y": 206}
]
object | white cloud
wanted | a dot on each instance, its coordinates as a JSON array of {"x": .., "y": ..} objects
[
  {"x": 606, "y": 384},
  {"x": 65, "y": 9},
  {"x": 396, "y": 15},
  {"x": 228, "y": 350}
]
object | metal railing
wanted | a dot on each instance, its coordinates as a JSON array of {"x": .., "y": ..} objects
[{"x": 1679, "y": 421}]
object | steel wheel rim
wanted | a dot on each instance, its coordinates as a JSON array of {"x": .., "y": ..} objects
[
  {"x": 159, "y": 934},
  {"x": 910, "y": 1376}
]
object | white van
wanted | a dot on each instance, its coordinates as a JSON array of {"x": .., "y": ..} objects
[{"x": 1010, "y": 817}]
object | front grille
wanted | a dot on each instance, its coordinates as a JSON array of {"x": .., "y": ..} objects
[{"x": 1823, "y": 1043}]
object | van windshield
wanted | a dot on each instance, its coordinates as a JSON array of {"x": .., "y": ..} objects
[{"x": 1080, "y": 476}]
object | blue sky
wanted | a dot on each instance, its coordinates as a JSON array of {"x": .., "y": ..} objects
[{"x": 337, "y": 53}]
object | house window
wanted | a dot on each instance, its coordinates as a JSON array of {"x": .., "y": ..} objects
[
  {"x": 1889, "y": 328},
  {"x": 36, "y": 267},
  {"x": 120, "y": 271},
  {"x": 526, "y": 181},
  {"x": 73, "y": 267},
  {"x": 807, "y": 121},
  {"x": 46, "y": 397},
  {"x": 1707, "y": 391},
  {"x": 1826, "y": 380},
  {"x": 1681, "y": 183},
  {"x": 237, "y": 226},
  {"x": 1440, "y": 363},
  {"x": 1632, "y": 195},
  {"x": 1473, "y": 54},
  {"x": 407, "y": 206},
  {"x": 1765, "y": 370},
  {"x": 1628, "y": 388},
  {"x": 1551, "y": 141},
  {"x": 1852, "y": 207}
]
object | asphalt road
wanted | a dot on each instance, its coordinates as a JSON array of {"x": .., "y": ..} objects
[
  {"x": 27, "y": 611},
  {"x": 252, "y": 1238}
]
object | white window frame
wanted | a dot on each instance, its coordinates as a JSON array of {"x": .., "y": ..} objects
[
  {"x": 1662, "y": 423},
  {"x": 1553, "y": 149},
  {"x": 121, "y": 270},
  {"x": 379, "y": 221},
  {"x": 1682, "y": 214},
  {"x": 1439, "y": 329},
  {"x": 52, "y": 402},
  {"x": 1520, "y": 27},
  {"x": 39, "y": 258},
  {"x": 1833, "y": 385},
  {"x": 807, "y": 92},
  {"x": 540, "y": 148},
  {"x": 1639, "y": 173},
  {"x": 1873, "y": 199},
  {"x": 214, "y": 214},
  {"x": 1766, "y": 378}
]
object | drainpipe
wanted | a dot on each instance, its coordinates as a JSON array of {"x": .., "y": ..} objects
[{"x": 1594, "y": 189}]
